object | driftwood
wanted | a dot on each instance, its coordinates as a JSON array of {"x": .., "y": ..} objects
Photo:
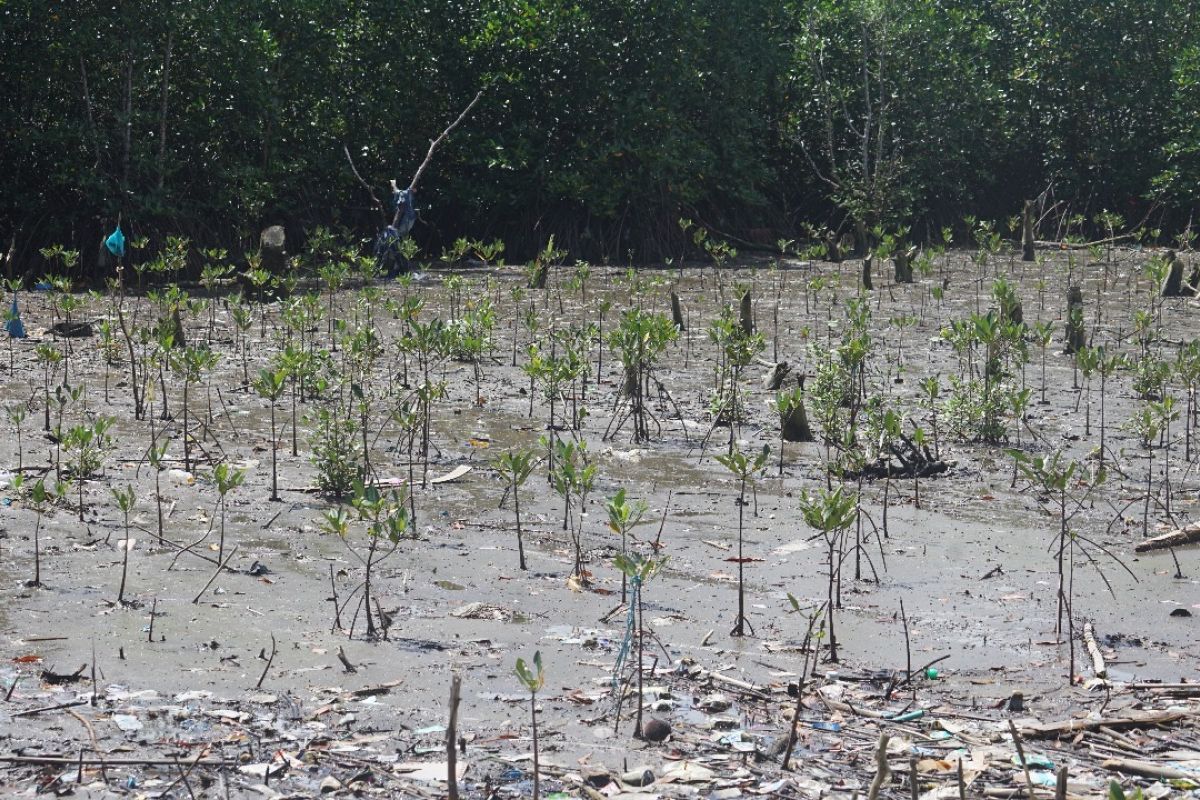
[
  {"x": 1147, "y": 769},
  {"x": 1089, "y": 639},
  {"x": 1189, "y": 534},
  {"x": 1130, "y": 719},
  {"x": 910, "y": 461}
]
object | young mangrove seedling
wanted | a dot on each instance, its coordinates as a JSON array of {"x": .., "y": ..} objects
[
  {"x": 126, "y": 500},
  {"x": 269, "y": 384},
  {"x": 533, "y": 680},
  {"x": 745, "y": 470},
  {"x": 624, "y": 516},
  {"x": 831, "y": 514},
  {"x": 515, "y": 467},
  {"x": 637, "y": 570}
]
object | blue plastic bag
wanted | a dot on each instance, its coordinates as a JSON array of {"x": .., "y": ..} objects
[
  {"x": 405, "y": 211},
  {"x": 115, "y": 243},
  {"x": 14, "y": 326}
]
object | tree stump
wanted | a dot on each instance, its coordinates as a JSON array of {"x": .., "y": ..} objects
[
  {"x": 1076, "y": 340},
  {"x": 1013, "y": 312},
  {"x": 271, "y": 243},
  {"x": 1027, "y": 237},
  {"x": 776, "y": 376},
  {"x": 677, "y": 312},
  {"x": 746, "y": 314},
  {"x": 903, "y": 262},
  {"x": 795, "y": 425},
  {"x": 833, "y": 248},
  {"x": 537, "y": 279},
  {"x": 1173, "y": 283},
  {"x": 1191, "y": 287}
]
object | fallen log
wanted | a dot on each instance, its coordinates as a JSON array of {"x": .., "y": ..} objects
[
  {"x": 1130, "y": 719},
  {"x": 1147, "y": 769},
  {"x": 1189, "y": 534}
]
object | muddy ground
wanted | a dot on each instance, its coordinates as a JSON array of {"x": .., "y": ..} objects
[{"x": 972, "y": 564}]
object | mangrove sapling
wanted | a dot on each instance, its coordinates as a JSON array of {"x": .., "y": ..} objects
[
  {"x": 533, "y": 681},
  {"x": 639, "y": 341},
  {"x": 1149, "y": 423},
  {"x": 336, "y": 448},
  {"x": 623, "y": 517},
  {"x": 737, "y": 349},
  {"x": 87, "y": 446},
  {"x": 386, "y": 520},
  {"x": 1106, "y": 365},
  {"x": 243, "y": 320},
  {"x": 637, "y": 570},
  {"x": 269, "y": 385},
  {"x": 1042, "y": 333},
  {"x": 226, "y": 479},
  {"x": 1187, "y": 367},
  {"x": 745, "y": 470},
  {"x": 831, "y": 513},
  {"x": 156, "y": 455},
  {"x": 573, "y": 478},
  {"x": 931, "y": 390},
  {"x": 49, "y": 357},
  {"x": 16, "y": 415},
  {"x": 190, "y": 364},
  {"x": 41, "y": 499},
  {"x": 126, "y": 500},
  {"x": 809, "y": 649},
  {"x": 515, "y": 467}
]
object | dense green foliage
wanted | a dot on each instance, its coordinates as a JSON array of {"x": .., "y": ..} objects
[{"x": 603, "y": 122}]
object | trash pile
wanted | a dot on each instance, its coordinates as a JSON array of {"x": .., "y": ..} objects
[{"x": 707, "y": 732}]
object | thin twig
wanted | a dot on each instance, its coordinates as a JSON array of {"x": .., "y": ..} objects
[
  {"x": 270, "y": 660},
  {"x": 216, "y": 572}
]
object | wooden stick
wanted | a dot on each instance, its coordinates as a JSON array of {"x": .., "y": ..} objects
[
  {"x": 270, "y": 659},
  {"x": 452, "y": 738},
  {"x": 216, "y": 572},
  {"x": 881, "y": 768},
  {"x": 434, "y": 144},
  {"x": 70, "y": 761},
  {"x": 1089, "y": 639},
  {"x": 33, "y": 711},
  {"x": 1016, "y": 737}
]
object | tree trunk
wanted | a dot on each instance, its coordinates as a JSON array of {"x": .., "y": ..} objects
[
  {"x": 1173, "y": 283},
  {"x": 1076, "y": 339},
  {"x": 1027, "y": 233},
  {"x": 162, "y": 121}
]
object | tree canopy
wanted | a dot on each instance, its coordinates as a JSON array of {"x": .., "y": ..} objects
[{"x": 603, "y": 123}]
